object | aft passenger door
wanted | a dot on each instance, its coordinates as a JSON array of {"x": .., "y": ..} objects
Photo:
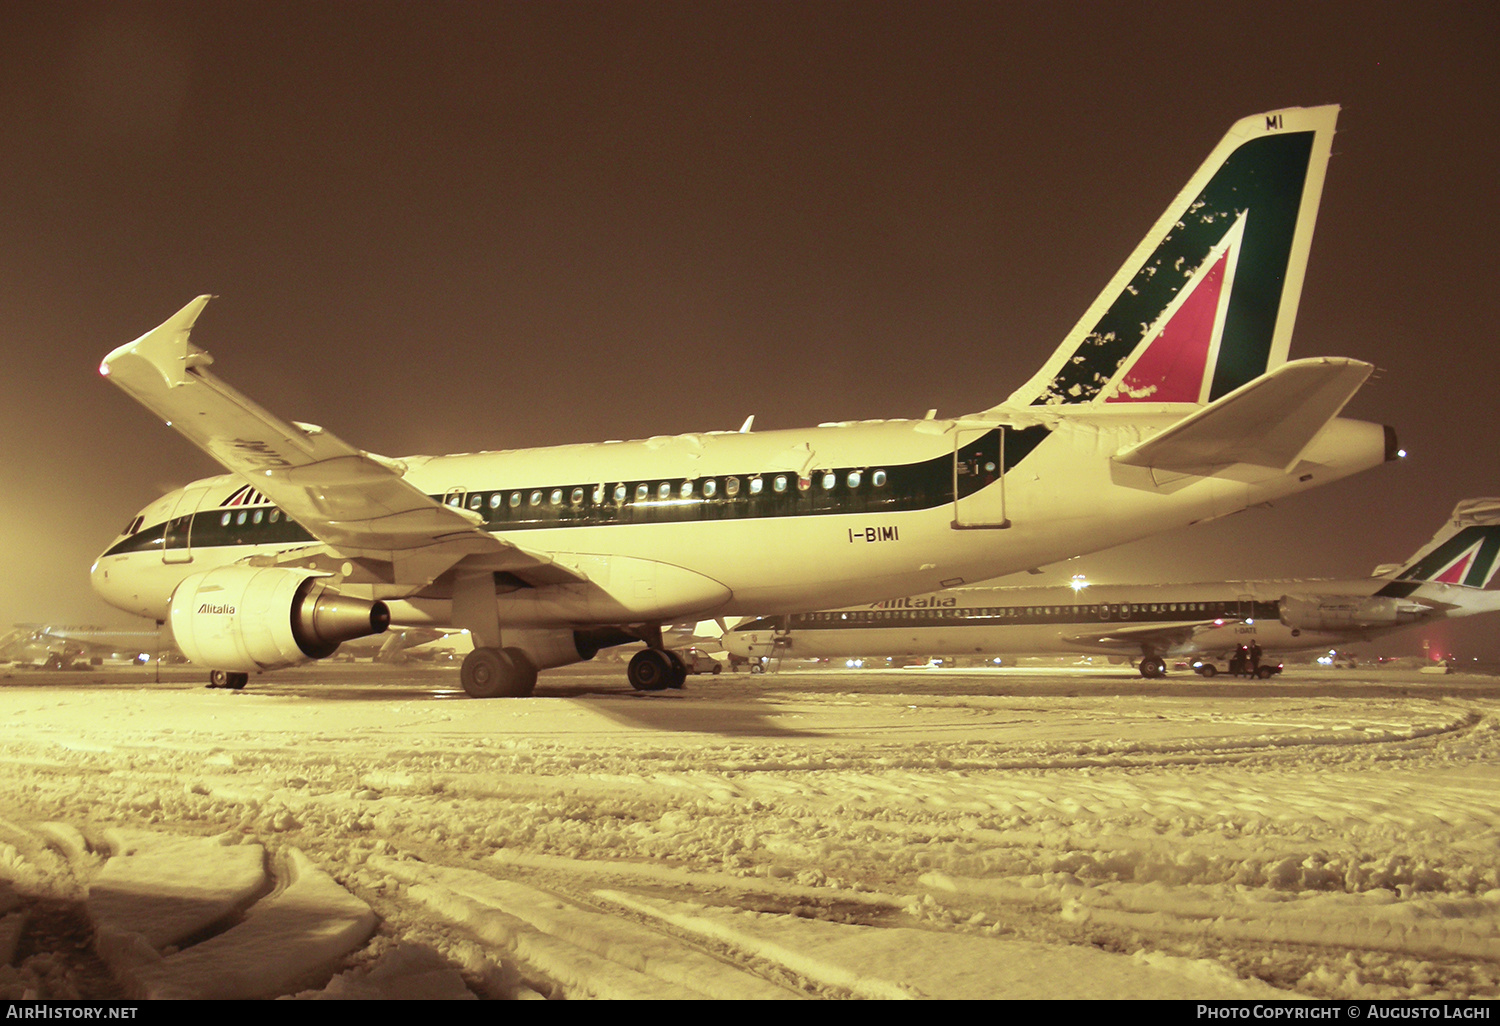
[{"x": 979, "y": 479}]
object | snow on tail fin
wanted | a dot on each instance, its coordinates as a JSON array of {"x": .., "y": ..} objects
[
  {"x": 1464, "y": 552},
  {"x": 1207, "y": 301}
]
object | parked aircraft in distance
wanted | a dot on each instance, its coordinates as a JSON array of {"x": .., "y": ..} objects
[
  {"x": 1171, "y": 401},
  {"x": 1445, "y": 579},
  {"x": 59, "y": 648}
]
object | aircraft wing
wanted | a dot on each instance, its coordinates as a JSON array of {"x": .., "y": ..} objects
[
  {"x": 1162, "y": 636},
  {"x": 353, "y": 501},
  {"x": 1267, "y": 422}
]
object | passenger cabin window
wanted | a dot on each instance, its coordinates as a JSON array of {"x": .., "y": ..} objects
[{"x": 732, "y": 487}]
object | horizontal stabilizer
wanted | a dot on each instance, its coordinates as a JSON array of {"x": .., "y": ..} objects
[{"x": 1266, "y": 423}]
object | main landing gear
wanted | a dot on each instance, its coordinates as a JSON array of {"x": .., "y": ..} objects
[
  {"x": 1152, "y": 667},
  {"x": 653, "y": 669},
  {"x": 225, "y": 679},
  {"x": 498, "y": 673}
]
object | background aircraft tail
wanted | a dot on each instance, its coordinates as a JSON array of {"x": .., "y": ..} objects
[
  {"x": 1464, "y": 552},
  {"x": 1207, "y": 300}
]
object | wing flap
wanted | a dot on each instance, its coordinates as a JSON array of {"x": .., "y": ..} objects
[{"x": 1266, "y": 423}]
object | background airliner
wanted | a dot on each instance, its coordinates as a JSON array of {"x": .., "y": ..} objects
[
  {"x": 1444, "y": 579},
  {"x": 1171, "y": 401},
  {"x": 57, "y": 647}
]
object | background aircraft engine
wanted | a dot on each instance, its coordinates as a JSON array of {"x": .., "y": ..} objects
[
  {"x": 244, "y": 619},
  {"x": 1342, "y": 612},
  {"x": 546, "y": 649}
]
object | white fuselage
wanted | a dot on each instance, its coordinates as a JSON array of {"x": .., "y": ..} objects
[
  {"x": 1166, "y": 620},
  {"x": 888, "y": 526}
]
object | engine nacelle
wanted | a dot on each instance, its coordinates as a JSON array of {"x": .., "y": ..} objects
[
  {"x": 244, "y": 619},
  {"x": 1345, "y": 612}
]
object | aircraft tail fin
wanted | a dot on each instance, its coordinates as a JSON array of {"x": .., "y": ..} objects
[
  {"x": 1465, "y": 552},
  {"x": 1207, "y": 301}
]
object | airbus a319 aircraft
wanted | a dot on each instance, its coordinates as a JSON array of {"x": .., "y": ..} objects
[
  {"x": 1445, "y": 579},
  {"x": 1171, "y": 401}
]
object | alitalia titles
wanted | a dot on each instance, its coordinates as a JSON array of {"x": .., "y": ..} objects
[
  {"x": 932, "y": 602},
  {"x": 209, "y": 607}
]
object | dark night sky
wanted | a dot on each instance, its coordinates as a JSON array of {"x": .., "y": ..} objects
[{"x": 457, "y": 226}]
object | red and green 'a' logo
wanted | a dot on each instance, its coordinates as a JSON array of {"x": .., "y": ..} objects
[
  {"x": 1198, "y": 317},
  {"x": 1468, "y": 558}
]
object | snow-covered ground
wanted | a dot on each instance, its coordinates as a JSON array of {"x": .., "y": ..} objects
[{"x": 348, "y": 832}]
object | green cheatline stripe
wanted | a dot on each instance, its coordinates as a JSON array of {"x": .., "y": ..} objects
[
  {"x": 907, "y": 487},
  {"x": 1266, "y": 177}
]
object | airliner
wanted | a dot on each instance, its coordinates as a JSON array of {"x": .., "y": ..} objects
[
  {"x": 1443, "y": 580},
  {"x": 1170, "y": 402},
  {"x": 59, "y": 648}
]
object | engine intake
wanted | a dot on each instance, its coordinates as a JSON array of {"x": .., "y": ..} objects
[{"x": 245, "y": 619}]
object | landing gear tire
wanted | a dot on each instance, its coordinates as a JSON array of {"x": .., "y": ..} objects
[
  {"x": 679, "y": 671},
  {"x": 497, "y": 673},
  {"x": 225, "y": 679},
  {"x": 653, "y": 670},
  {"x": 1151, "y": 668}
]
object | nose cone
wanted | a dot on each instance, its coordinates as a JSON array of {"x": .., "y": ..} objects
[
  {"x": 113, "y": 581},
  {"x": 738, "y": 644},
  {"x": 105, "y": 581}
]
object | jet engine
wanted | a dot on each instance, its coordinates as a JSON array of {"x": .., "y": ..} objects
[
  {"x": 1346, "y": 612},
  {"x": 243, "y": 619}
]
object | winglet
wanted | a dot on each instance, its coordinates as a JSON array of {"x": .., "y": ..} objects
[{"x": 165, "y": 348}]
